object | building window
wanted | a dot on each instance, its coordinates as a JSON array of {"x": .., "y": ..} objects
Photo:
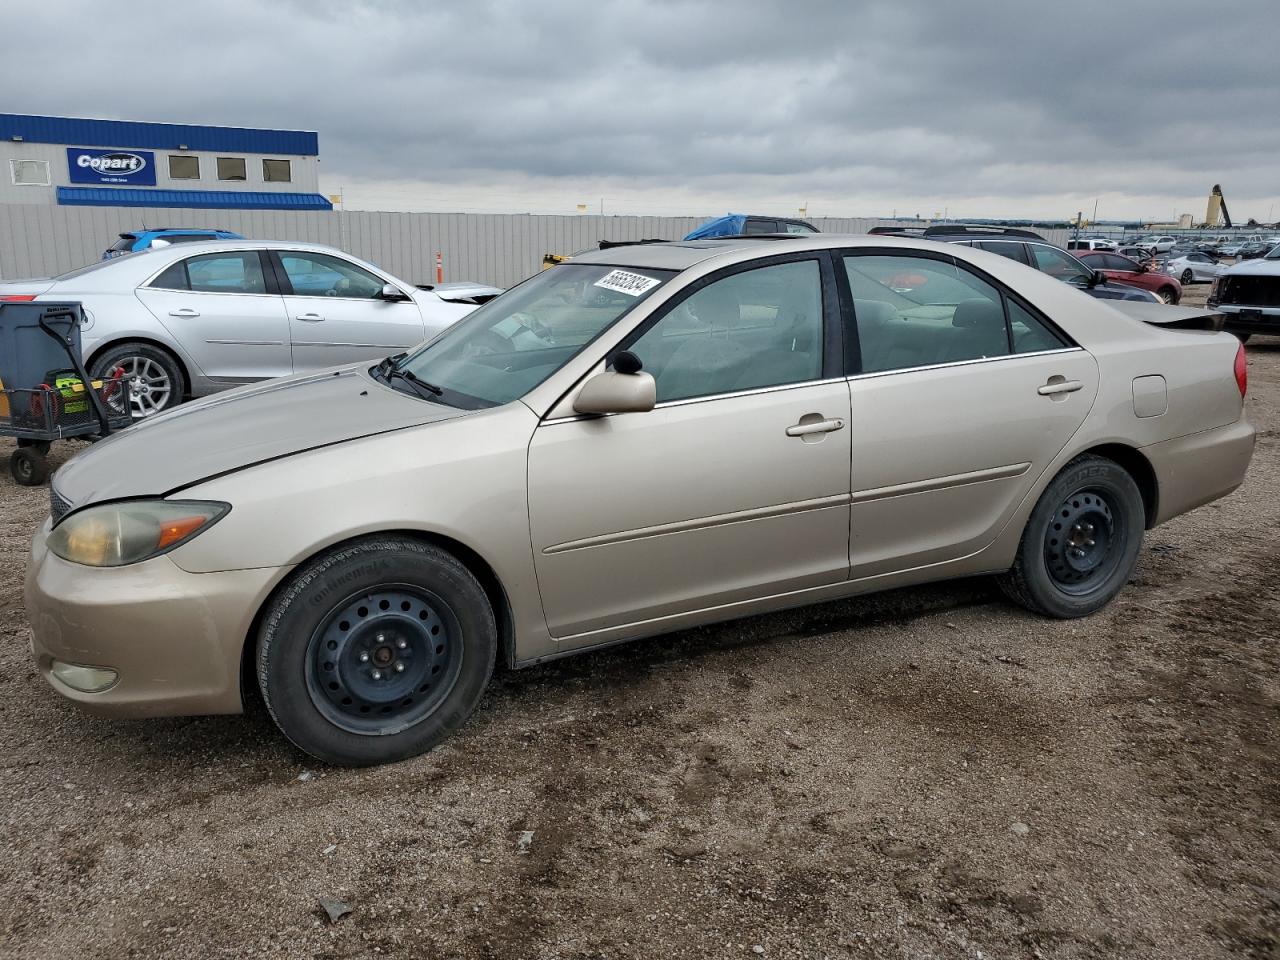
[
  {"x": 231, "y": 168},
  {"x": 184, "y": 168},
  {"x": 276, "y": 171},
  {"x": 29, "y": 173}
]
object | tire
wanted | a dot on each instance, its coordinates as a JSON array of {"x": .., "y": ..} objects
[
  {"x": 1096, "y": 504},
  {"x": 28, "y": 467},
  {"x": 154, "y": 376},
  {"x": 376, "y": 651},
  {"x": 1167, "y": 294},
  {"x": 1187, "y": 276}
]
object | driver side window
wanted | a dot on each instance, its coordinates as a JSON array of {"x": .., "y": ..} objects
[
  {"x": 320, "y": 275},
  {"x": 758, "y": 328}
]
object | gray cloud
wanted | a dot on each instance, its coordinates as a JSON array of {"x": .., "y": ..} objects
[{"x": 992, "y": 107}]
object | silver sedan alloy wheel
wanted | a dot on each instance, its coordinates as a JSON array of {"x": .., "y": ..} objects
[{"x": 150, "y": 386}]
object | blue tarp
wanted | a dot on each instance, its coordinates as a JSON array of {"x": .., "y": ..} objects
[{"x": 726, "y": 226}]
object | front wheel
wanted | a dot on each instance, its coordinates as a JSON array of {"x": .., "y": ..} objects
[
  {"x": 1081, "y": 542},
  {"x": 1187, "y": 276},
  {"x": 1167, "y": 294},
  {"x": 376, "y": 651}
]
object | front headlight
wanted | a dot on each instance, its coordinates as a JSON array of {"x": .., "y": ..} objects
[{"x": 116, "y": 534}]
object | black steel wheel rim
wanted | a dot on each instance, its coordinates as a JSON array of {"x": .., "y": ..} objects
[
  {"x": 1083, "y": 542},
  {"x": 383, "y": 660}
]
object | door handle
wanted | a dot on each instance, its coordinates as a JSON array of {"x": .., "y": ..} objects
[
  {"x": 818, "y": 426},
  {"x": 1058, "y": 385},
  {"x": 184, "y": 312},
  {"x": 309, "y": 317}
]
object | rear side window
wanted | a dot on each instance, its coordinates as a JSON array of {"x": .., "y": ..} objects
[
  {"x": 918, "y": 312},
  {"x": 1006, "y": 248},
  {"x": 1028, "y": 332},
  {"x": 760, "y": 226},
  {"x": 793, "y": 226},
  {"x": 125, "y": 243},
  {"x": 215, "y": 273}
]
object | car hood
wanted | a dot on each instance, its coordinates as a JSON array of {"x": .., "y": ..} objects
[
  {"x": 234, "y": 430},
  {"x": 1255, "y": 268}
]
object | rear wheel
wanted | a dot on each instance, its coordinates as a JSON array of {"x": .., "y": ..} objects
[
  {"x": 376, "y": 651},
  {"x": 1187, "y": 276},
  {"x": 154, "y": 376},
  {"x": 1081, "y": 542}
]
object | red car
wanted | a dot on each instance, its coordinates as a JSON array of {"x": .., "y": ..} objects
[{"x": 1123, "y": 270}]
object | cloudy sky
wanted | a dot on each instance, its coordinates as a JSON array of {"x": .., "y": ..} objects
[{"x": 1034, "y": 108}]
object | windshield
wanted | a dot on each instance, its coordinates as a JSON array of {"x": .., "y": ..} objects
[
  {"x": 507, "y": 347},
  {"x": 90, "y": 268}
]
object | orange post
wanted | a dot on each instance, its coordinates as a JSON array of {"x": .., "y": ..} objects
[{"x": 439, "y": 268}]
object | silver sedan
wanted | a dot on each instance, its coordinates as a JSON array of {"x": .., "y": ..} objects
[
  {"x": 194, "y": 318},
  {"x": 642, "y": 440}
]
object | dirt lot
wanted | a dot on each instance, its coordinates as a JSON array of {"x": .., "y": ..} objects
[{"x": 931, "y": 773}]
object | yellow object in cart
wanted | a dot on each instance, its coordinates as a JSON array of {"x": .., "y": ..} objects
[{"x": 4, "y": 402}]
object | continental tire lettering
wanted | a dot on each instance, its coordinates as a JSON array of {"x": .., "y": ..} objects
[{"x": 334, "y": 584}]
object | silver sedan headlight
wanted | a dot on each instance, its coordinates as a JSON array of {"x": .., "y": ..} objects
[{"x": 116, "y": 534}]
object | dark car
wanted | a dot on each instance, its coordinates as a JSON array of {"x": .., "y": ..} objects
[
  {"x": 1028, "y": 247},
  {"x": 1254, "y": 250},
  {"x": 1124, "y": 270}
]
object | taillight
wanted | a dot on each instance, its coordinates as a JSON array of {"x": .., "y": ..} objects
[
  {"x": 17, "y": 298},
  {"x": 1242, "y": 371}
]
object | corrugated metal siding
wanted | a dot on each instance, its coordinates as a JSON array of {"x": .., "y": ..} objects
[
  {"x": 191, "y": 199},
  {"x": 78, "y": 132},
  {"x": 501, "y": 249}
]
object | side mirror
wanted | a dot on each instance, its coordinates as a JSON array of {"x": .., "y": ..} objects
[
  {"x": 391, "y": 292},
  {"x": 1096, "y": 278},
  {"x": 625, "y": 389}
]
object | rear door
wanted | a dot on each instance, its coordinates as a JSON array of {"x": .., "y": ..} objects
[
  {"x": 222, "y": 309},
  {"x": 963, "y": 396},
  {"x": 337, "y": 313}
]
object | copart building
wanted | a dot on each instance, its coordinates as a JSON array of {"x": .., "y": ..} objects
[{"x": 70, "y": 161}]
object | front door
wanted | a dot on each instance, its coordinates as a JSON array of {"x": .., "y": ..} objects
[
  {"x": 965, "y": 395},
  {"x": 734, "y": 487},
  {"x": 337, "y": 314},
  {"x": 217, "y": 306}
]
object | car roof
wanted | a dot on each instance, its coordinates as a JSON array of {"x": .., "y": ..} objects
[{"x": 682, "y": 254}]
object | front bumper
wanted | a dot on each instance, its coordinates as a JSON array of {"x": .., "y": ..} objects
[
  {"x": 174, "y": 637},
  {"x": 1241, "y": 318},
  {"x": 1199, "y": 468}
]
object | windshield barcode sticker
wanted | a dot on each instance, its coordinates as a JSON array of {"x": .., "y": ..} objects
[{"x": 632, "y": 284}]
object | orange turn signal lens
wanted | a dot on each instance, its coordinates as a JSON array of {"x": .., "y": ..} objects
[{"x": 174, "y": 530}]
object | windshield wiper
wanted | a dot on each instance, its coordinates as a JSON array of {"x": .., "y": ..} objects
[{"x": 415, "y": 381}]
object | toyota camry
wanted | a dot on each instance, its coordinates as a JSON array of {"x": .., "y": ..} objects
[{"x": 644, "y": 439}]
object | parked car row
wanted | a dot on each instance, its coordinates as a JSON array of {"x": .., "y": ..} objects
[{"x": 197, "y": 317}]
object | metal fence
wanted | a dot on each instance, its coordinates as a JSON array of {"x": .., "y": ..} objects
[{"x": 502, "y": 249}]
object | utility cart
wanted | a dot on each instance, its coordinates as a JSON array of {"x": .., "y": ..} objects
[{"x": 45, "y": 392}]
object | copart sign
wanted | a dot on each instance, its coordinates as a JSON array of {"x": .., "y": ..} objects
[{"x": 120, "y": 167}]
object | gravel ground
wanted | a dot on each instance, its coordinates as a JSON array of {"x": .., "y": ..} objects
[{"x": 927, "y": 773}]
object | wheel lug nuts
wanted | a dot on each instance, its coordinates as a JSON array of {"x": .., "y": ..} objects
[
  {"x": 401, "y": 644},
  {"x": 364, "y": 658},
  {"x": 399, "y": 668},
  {"x": 377, "y": 674},
  {"x": 382, "y": 638}
]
